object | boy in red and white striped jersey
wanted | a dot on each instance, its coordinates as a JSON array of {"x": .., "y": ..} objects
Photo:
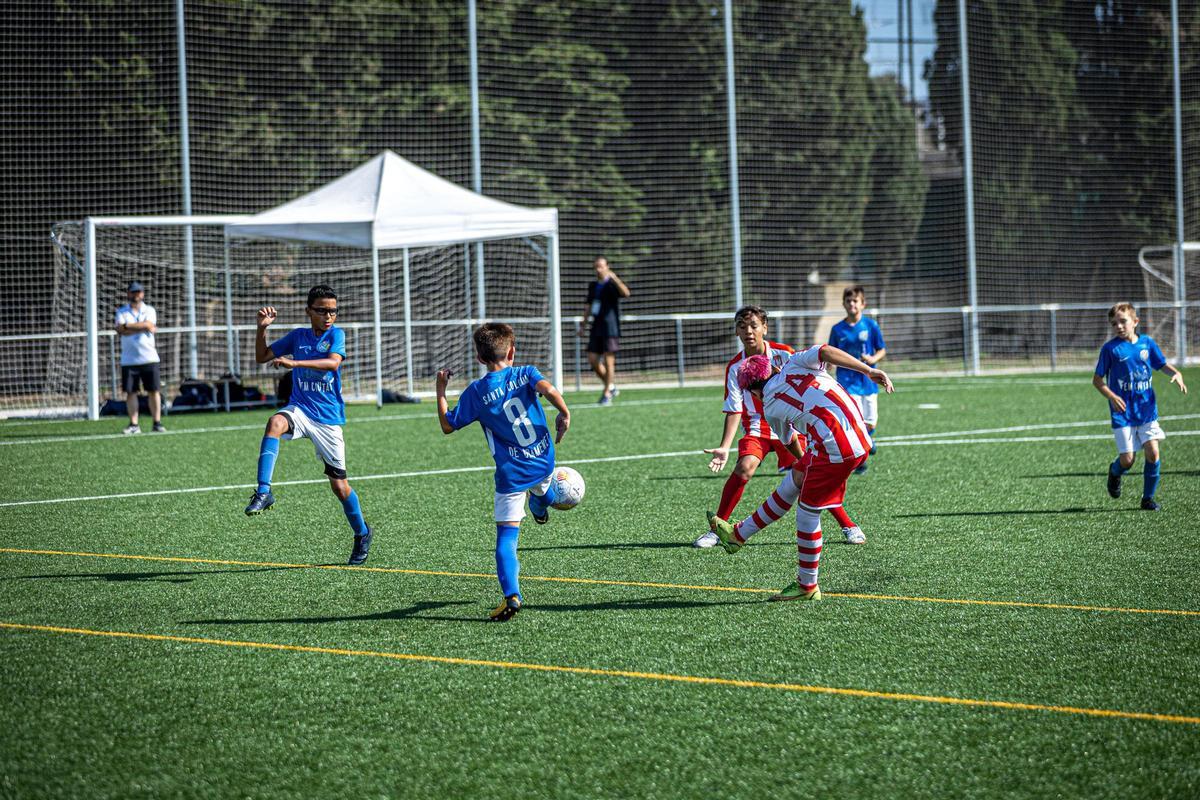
[
  {"x": 804, "y": 397},
  {"x": 758, "y": 439}
]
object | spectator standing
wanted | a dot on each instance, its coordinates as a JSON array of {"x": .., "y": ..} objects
[
  {"x": 603, "y": 311},
  {"x": 137, "y": 323}
]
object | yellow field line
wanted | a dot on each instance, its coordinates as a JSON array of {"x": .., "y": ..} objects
[
  {"x": 620, "y": 673},
  {"x": 603, "y": 582}
]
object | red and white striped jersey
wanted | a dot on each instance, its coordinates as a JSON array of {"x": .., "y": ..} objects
[
  {"x": 751, "y": 408},
  {"x": 806, "y": 398}
]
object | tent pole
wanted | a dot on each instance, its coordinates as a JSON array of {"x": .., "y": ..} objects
[
  {"x": 230, "y": 355},
  {"x": 93, "y": 355},
  {"x": 555, "y": 313},
  {"x": 408, "y": 354},
  {"x": 378, "y": 327},
  {"x": 476, "y": 150}
]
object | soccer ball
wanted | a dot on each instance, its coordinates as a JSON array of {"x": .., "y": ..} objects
[{"x": 567, "y": 485}]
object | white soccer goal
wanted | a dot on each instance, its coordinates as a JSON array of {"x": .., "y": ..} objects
[{"x": 1171, "y": 313}]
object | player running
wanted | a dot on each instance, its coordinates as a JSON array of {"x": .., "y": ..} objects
[
  {"x": 758, "y": 438},
  {"x": 315, "y": 410},
  {"x": 505, "y": 403},
  {"x": 804, "y": 397}
]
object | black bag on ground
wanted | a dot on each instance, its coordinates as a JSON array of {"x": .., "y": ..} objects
[{"x": 194, "y": 396}]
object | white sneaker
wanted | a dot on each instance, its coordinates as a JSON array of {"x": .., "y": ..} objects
[
  {"x": 130, "y": 430},
  {"x": 854, "y": 535},
  {"x": 707, "y": 539}
]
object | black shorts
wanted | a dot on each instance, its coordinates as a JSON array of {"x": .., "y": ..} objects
[
  {"x": 600, "y": 342},
  {"x": 145, "y": 375}
]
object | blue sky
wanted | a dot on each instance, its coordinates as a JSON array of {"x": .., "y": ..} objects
[{"x": 882, "y": 31}]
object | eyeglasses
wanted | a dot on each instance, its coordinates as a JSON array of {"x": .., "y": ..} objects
[{"x": 329, "y": 312}]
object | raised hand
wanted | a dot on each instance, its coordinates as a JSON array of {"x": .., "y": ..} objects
[{"x": 266, "y": 315}]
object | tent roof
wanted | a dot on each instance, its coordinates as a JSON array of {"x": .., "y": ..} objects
[{"x": 391, "y": 203}]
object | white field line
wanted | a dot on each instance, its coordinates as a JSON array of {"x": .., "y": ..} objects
[
  {"x": 356, "y": 478},
  {"x": 259, "y": 425},
  {"x": 1021, "y": 439},
  {"x": 1016, "y": 429}
]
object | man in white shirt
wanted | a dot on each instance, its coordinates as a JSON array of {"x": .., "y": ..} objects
[{"x": 137, "y": 322}]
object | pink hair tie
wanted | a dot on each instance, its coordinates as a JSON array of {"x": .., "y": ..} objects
[{"x": 753, "y": 370}]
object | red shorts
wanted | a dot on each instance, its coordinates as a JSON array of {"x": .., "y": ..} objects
[
  {"x": 760, "y": 446},
  {"x": 823, "y": 482}
]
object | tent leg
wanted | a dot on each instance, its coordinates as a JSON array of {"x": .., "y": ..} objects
[{"x": 378, "y": 327}]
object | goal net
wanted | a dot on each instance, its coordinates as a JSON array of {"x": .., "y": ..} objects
[
  {"x": 1171, "y": 314},
  {"x": 208, "y": 332}
]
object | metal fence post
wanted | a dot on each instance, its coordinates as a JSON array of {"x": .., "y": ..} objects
[
  {"x": 93, "y": 356},
  {"x": 1180, "y": 276},
  {"x": 734, "y": 199},
  {"x": 578, "y": 361},
  {"x": 186, "y": 181},
  {"x": 679, "y": 348},
  {"x": 966, "y": 336},
  {"x": 1053, "y": 339},
  {"x": 969, "y": 186}
]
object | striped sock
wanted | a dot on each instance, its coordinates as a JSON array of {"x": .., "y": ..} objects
[
  {"x": 774, "y": 507},
  {"x": 808, "y": 547}
]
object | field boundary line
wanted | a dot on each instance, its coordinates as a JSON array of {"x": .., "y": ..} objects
[
  {"x": 431, "y": 415},
  {"x": 1019, "y": 428},
  {"x": 606, "y": 582},
  {"x": 1080, "y": 437},
  {"x": 665, "y": 677}
]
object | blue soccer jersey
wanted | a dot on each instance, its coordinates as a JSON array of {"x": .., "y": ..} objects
[
  {"x": 317, "y": 392},
  {"x": 865, "y": 338},
  {"x": 1126, "y": 367},
  {"x": 505, "y": 403}
]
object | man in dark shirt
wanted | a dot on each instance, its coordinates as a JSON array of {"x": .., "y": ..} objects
[{"x": 603, "y": 299}]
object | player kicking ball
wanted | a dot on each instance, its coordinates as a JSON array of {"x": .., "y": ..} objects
[
  {"x": 804, "y": 397},
  {"x": 505, "y": 404},
  {"x": 316, "y": 410}
]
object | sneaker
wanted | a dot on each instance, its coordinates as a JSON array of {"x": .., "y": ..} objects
[
  {"x": 505, "y": 611},
  {"x": 614, "y": 391},
  {"x": 1148, "y": 504},
  {"x": 362, "y": 546},
  {"x": 861, "y": 470},
  {"x": 158, "y": 428},
  {"x": 259, "y": 502},
  {"x": 854, "y": 535},
  {"x": 543, "y": 519},
  {"x": 130, "y": 430},
  {"x": 724, "y": 531},
  {"x": 1114, "y": 485},
  {"x": 794, "y": 592},
  {"x": 706, "y": 539}
]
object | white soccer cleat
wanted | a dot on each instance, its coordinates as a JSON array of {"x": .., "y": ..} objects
[
  {"x": 854, "y": 535},
  {"x": 707, "y": 539}
]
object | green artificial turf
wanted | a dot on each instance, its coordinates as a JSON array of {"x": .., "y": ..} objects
[{"x": 1010, "y": 517}]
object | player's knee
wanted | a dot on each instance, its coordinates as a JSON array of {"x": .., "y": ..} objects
[
  {"x": 1127, "y": 459},
  {"x": 341, "y": 488},
  {"x": 745, "y": 469},
  {"x": 277, "y": 425}
]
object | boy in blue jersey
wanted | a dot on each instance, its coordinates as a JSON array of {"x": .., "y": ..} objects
[
  {"x": 1123, "y": 376},
  {"x": 315, "y": 410},
  {"x": 860, "y": 337},
  {"x": 505, "y": 403}
]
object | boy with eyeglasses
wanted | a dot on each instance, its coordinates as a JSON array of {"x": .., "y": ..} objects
[{"x": 315, "y": 410}]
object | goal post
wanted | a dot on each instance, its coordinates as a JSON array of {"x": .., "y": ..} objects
[
  {"x": 406, "y": 312},
  {"x": 1171, "y": 276}
]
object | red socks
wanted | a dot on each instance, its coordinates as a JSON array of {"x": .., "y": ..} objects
[{"x": 730, "y": 495}]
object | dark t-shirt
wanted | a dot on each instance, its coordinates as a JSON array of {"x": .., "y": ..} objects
[{"x": 603, "y": 302}]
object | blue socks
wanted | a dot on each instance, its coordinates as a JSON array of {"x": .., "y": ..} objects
[
  {"x": 1150, "y": 479},
  {"x": 268, "y": 451},
  {"x": 871, "y": 433},
  {"x": 539, "y": 503},
  {"x": 1115, "y": 468},
  {"x": 507, "y": 568},
  {"x": 354, "y": 514}
]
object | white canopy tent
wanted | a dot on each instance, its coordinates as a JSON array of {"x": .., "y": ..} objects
[{"x": 389, "y": 203}]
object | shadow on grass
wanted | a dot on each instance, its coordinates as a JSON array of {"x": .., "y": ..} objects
[
  {"x": 1020, "y": 511},
  {"x": 417, "y": 611},
  {"x": 1133, "y": 473},
  {"x": 186, "y": 576}
]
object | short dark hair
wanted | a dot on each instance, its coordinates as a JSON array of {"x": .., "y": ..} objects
[
  {"x": 750, "y": 311},
  {"x": 854, "y": 291},
  {"x": 321, "y": 292},
  {"x": 492, "y": 340}
]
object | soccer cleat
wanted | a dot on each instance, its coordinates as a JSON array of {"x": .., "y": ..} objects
[
  {"x": 861, "y": 470},
  {"x": 362, "y": 546},
  {"x": 130, "y": 430},
  {"x": 725, "y": 535},
  {"x": 259, "y": 502},
  {"x": 854, "y": 535},
  {"x": 543, "y": 519},
  {"x": 1114, "y": 485},
  {"x": 706, "y": 539},
  {"x": 505, "y": 611},
  {"x": 793, "y": 591},
  {"x": 158, "y": 428},
  {"x": 605, "y": 399},
  {"x": 1148, "y": 504}
]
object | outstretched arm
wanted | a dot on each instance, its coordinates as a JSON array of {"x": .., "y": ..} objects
[
  {"x": 563, "y": 421},
  {"x": 1176, "y": 377},
  {"x": 840, "y": 358},
  {"x": 720, "y": 454},
  {"x": 443, "y": 378}
]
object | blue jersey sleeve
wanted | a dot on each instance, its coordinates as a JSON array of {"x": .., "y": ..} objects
[
  {"x": 535, "y": 376},
  {"x": 1104, "y": 363},
  {"x": 1157, "y": 359},
  {"x": 467, "y": 410},
  {"x": 338, "y": 342},
  {"x": 283, "y": 345},
  {"x": 876, "y": 337}
]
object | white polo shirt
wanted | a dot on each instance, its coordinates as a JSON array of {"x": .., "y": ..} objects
[{"x": 137, "y": 348}]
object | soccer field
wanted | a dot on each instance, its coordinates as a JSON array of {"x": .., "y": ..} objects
[{"x": 1008, "y": 629}]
